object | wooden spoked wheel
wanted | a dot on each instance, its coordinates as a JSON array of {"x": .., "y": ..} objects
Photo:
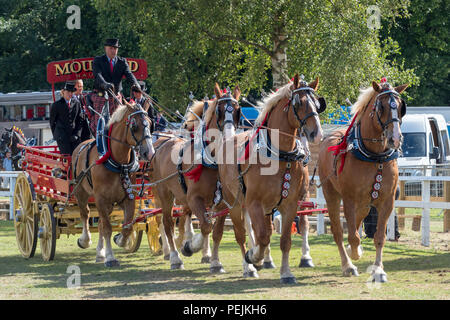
[
  {"x": 47, "y": 232},
  {"x": 25, "y": 220},
  {"x": 133, "y": 241},
  {"x": 153, "y": 236}
]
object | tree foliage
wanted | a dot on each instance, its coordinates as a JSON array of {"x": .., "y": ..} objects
[
  {"x": 190, "y": 44},
  {"x": 423, "y": 38}
]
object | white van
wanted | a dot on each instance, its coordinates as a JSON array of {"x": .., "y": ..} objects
[{"x": 425, "y": 140}]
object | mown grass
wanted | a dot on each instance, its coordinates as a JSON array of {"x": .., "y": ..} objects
[{"x": 412, "y": 273}]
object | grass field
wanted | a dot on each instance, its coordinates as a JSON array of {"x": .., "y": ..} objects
[{"x": 414, "y": 272}]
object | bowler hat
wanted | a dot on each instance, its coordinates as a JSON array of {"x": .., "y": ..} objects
[
  {"x": 112, "y": 43},
  {"x": 70, "y": 86}
]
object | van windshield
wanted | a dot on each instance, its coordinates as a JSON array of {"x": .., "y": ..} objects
[{"x": 414, "y": 144}]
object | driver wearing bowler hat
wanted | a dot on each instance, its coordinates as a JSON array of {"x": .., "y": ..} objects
[
  {"x": 108, "y": 70},
  {"x": 66, "y": 121}
]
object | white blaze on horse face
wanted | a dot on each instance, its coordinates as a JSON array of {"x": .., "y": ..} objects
[
  {"x": 319, "y": 134},
  {"x": 228, "y": 129},
  {"x": 396, "y": 132}
]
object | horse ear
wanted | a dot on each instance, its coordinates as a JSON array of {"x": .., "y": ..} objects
[
  {"x": 296, "y": 80},
  {"x": 376, "y": 86},
  {"x": 314, "y": 84},
  {"x": 237, "y": 92},
  {"x": 217, "y": 90},
  {"x": 401, "y": 88}
]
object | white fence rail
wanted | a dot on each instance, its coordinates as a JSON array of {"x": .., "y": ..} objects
[
  {"x": 426, "y": 204},
  {"x": 9, "y": 178}
]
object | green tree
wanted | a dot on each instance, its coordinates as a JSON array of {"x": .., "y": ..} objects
[
  {"x": 190, "y": 44},
  {"x": 34, "y": 33},
  {"x": 424, "y": 37}
]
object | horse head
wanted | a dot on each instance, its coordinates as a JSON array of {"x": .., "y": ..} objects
[
  {"x": 227, "y": 110},
  {"x": 387, "y": 112},
  {"x": 306, "y": 106},
  {"x": 139, "y": 133}
]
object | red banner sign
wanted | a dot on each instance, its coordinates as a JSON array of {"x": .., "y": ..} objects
[{"x": 69, "y": 70}]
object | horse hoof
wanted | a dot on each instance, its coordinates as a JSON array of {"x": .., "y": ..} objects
[
  {"x": 251, "y": 274},
  {"x": 100, "y": 259},
  {"x": 112, "y": 263},
  {"x": 351, "y": 272},
  {"x": 116, "y": 237},
  {"x": 177, "y": 266},
  {"x": 186, "y": 250},
  {"x": 167, "y": 257},
  {"x": 206, "y": 259},
  {"x": 258, "y": 267},
  {"x": 269, "y": 265},
  {"x": 79, "y": 244},
  {"x": 247, "y": 258},
  {"x": 380, "y": 278},
  {"x": 306, "y": 263},
  {"x": 217, "y": 269},
  {"x": 288, "y": 280}
]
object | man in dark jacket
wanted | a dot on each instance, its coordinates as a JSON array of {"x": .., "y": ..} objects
[
  {"x": 108, "y": 71},
  {"x": 81, "y": 97},
  {"x": 65, "y": 120}
]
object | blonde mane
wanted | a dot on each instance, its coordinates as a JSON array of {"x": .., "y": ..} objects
[
  {"x": 364, "y": 98},
  {"x": 118, "y": 115},
  {"x": 197, "y": 108},
  {"x": 271, "y": 101}
]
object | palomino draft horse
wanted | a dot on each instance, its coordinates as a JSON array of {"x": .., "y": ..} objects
[
  {"x": 268, "y": 174},
  {"x": 108, "y": 179},
  {"x": 175, "y": 157},
  {"x": 362, "y": 170}
]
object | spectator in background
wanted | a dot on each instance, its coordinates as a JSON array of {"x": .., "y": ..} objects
[
  {"x": 370, "y": 222},
  {"x": 81, "y": 98},
  {"x": 7, "y": 166}
]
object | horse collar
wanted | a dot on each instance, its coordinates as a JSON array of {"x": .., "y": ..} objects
[{"x": 358, "y": 149}]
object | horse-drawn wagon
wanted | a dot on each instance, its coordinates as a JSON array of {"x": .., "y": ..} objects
[{"x": 45, "y": 209}]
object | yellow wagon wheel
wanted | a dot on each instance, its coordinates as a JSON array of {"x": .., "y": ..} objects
[
  {"x": 25, "y": 219},
  {"x": 153, "y": 236},
  {"x": 134, "y": 241},
  {"x": 47, "y": 232}
]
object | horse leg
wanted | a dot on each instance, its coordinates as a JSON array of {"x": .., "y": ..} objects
[
  {"x": 104, "y": 212},
  {"x": 289, "y": 213},
  {"x": 239, "y": 234},
  {"x": 101, "y": 255},
  {"x": 306, "y": 260},
  {"x": 215, "y": 264},
  {"x": 128, "y": 208},
  {"x": 165, "y": 242},
  {"x": 198, "y": 208},
  {"x": 262, "y": 233},
  {"x": 354, "y": 249},
  {"x": 268, "y": 261},
  {"x": 379, "y": 240},
  {"x": 334, "y": 203},
  {"x": 166, "y": 205},
  {"x": 84, "y": 241}
]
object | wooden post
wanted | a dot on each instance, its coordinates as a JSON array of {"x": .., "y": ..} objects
[
  {"x": 401, "y": 211},
  {"x": 426, "y": 213},
  {"x": 447, "y": 212}
]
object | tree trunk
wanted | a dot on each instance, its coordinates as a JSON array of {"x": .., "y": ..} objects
[{"x": 279, "y": 61}]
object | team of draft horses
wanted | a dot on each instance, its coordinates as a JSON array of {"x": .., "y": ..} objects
[{"x": 265, "y": 170}]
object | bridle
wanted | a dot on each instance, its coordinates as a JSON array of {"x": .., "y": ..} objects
[
  {"x": 319, "y": 104},
  {"x": 132, "y": 126},
  {"x": 229, "y": 110},
  {"x": 392, "y": 106}
]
